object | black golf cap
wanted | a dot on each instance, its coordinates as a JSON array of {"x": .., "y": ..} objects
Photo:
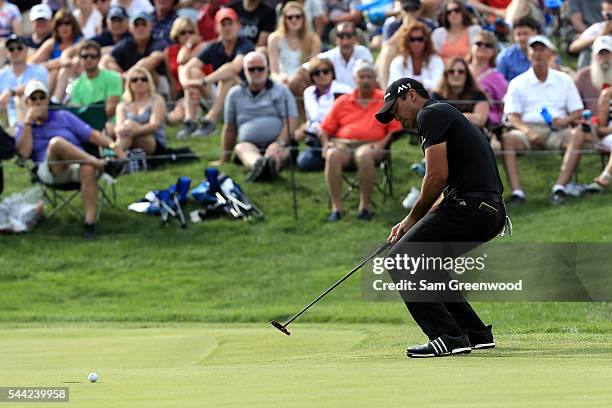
[{"x": 394, "y": 91}]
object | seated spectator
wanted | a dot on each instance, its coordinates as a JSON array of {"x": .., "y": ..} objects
[
  {"x": 141, "y": 116},
  {"x": 344, "y": 57},
  {"x": 538, "y": 88},
  {"x": 132, "y": 6},
  {"x": 42, "y": 29},
  {"x": 417, "y": 58},
  {"x": 95, "y": 85},
  {"x": 103, "y": 7},
  {"x": 163, "y": 18},
  {"x": 10, "y": 19},
  {"x": 318, "y": 99},
  {"x": 583, "y": 14},
  {"x": 314, "y": 10},
  {"x": 591, "y": 80},
  {"x": 140, "y": 49},
  {"x": 186, "y": 44},
  {"x": 393, "y": 34},
  {"x": 206, "y": 20},
  {"x": 512, "y": 61},
  {"x": 604, "y": 131},
  {"x": 582, "y": 45},
  {"x": 261, "y": 115},
  {"x": 256, "y": 20},
  {"x": 351, "y": 135},
  {"x": 58, "y": 51},
  {"x": 225, "y": 57},
  {"x": 339, "y": 11},
  {"x": 555, "y": 63},
  {"x": 52, "y": 137},
  {"x": 458, "y": 88},
  {"x": 456, "y": 31},
  {"x": 15, "y": 76},
  {"x": 88, "y": 17},
  {"x": 118, "y": 28},
  {"x": 482, "y": 66},
  {"x": 509, "y": 10},
  {"x": 291, "y": 44}
]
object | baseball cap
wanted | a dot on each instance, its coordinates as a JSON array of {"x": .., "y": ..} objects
[
  {"x": 394, "y": 91},
  {"x": 117, "y": 11},
  {"x": 15, "y": 38},
  {"x": 411, "y": 4},
  {"x": 224, "y": 13},
  {"x": 35, "y": 86},
  {"x": 140, "y": 14},
  {"x": 540, "y": 39},
  {"x": 601, "y": 43},
  {"x": 41, "y": 11}
]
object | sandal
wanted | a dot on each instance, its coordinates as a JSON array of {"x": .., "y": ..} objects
[{"x": 604, "y": 179}]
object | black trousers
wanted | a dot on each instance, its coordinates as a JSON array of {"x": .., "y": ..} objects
[{"x": 456, "y": 220}]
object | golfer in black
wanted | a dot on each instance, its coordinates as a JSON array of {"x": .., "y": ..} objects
[{"x": 460, "y": 201}]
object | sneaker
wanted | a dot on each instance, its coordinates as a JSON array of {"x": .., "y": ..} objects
[
  {"x": 89, "y": 230},
  {"x": 272, "y": 170},
  {"x": 206, "y": 128},
  {"x": 516, "y": 200},
  {"x": 187, "y": 129},
  {"x": 114, "y": 167},
  {"x": 444, "y": 345},
  {"x": 365, "y": 215},
  {"x": 558, "y": 197},
  {"x": 481, "y": 339},
  {"x": 335, "y": 216},
  {"x": 259, "y": 170}
]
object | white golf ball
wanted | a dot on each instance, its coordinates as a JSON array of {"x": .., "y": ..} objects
[{"x": 92, "y": 377}]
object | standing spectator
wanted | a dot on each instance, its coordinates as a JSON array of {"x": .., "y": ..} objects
[
  {"x": 318, "y": 99},
  {"x": 103, "y": 7},
  {"x": 95, "y": 85},
  {"x": 40, "y": 17},
  {"x": 10, "y": 19},
  {"x": 456, "y": 33},
  {"x": 513, "y": 61},
  {"x": 256, "y": 20},
  {"x": 15, "y": 76},
  {"x": 206, "y": 19},
  {"x": 492, "y": 82},
  {"x": 417, "y": 58},
  {"x": 57, "y": 52},
  {"x": 139, "y": 49},
  {"x": 163, "y": 18},
  {"x": 584, "y": 13},
  {"x": 141, "y": 116},
  {"x": 225, "y": 59},
  {"x": 261, "y": 115},
  {"x": 88, "y": 17},
  {"x": 591, "y": 80},
  {"x": 541, "y": 87},
  {"x": 582, "y": 44},
  {"x": 132, "y": 6},
  {"x": 291, "y": 44},
  {"x": 118, "y": 27},
  {"x": 351, "y": 135}
]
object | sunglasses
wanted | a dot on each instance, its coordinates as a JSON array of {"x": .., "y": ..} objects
[
  {"x": 99, "y": 1},
  {"x": 90, "y": 56},
  {"x": 139, "y": 79},
  {"x": 456, "y": 71},
  {"x": 141, "y": 23},
  {"x": 17, "y": 48},
  {"x": 608, "y": 16},
  {"x": 417, "y": 39},
  {"x": 343, "y": 36},
  {"x": 483, "y": 44},
  {"x": 64, "y": 23},
  {"x": 296, "y": 17},
  {"x": 256, "y": 69},
  {"x": 35, "y": 98},
  {"x": 323, "y": 71},
  {"x": 117, "y": 19},
  {"x": 453, "y": 10},
  {"x": 188, "y": 32}
]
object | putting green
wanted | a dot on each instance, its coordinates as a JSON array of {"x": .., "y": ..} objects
[{"x": 319, "y": 365}]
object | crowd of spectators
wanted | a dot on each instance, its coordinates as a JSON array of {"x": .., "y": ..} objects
[{"x": 281, "y": 73}]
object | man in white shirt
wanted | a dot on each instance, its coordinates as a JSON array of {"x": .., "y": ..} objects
[
  {"x": 583, "y": 43},
  {"x": 541, "y": 104}
]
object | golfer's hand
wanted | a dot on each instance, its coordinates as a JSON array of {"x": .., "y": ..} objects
[{"x": 400, "y": 230}]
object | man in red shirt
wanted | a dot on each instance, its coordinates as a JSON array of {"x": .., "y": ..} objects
[{"x": 352, "y": 136}]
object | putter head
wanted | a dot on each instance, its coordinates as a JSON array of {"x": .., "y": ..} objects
[{"x": 280, "y": 327}]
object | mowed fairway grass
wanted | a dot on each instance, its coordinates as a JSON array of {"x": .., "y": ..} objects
[{"x": 180, "y": 318}]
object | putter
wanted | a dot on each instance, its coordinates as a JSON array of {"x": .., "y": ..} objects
[{"x": 283, "y": 327}]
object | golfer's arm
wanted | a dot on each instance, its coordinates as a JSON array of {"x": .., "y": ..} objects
[{"x": 434, "y": 181}]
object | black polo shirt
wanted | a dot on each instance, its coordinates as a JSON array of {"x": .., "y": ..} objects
[
  {"x": 125, "y": 52},
  {"x": 471, "y": 162},
  {"x": 214, "y": 54},
  {"x": 263, "y": 18}
]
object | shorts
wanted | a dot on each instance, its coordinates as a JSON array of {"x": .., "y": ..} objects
[
  {"x": 70, "y": 175},
  {"x": 553, "y": 140},
  {"x": 350, "y": 145}
]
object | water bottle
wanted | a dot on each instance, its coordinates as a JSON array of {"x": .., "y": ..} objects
[
  {"x": 586, "y": 126},
  {"x": 546, "y": 116}
]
